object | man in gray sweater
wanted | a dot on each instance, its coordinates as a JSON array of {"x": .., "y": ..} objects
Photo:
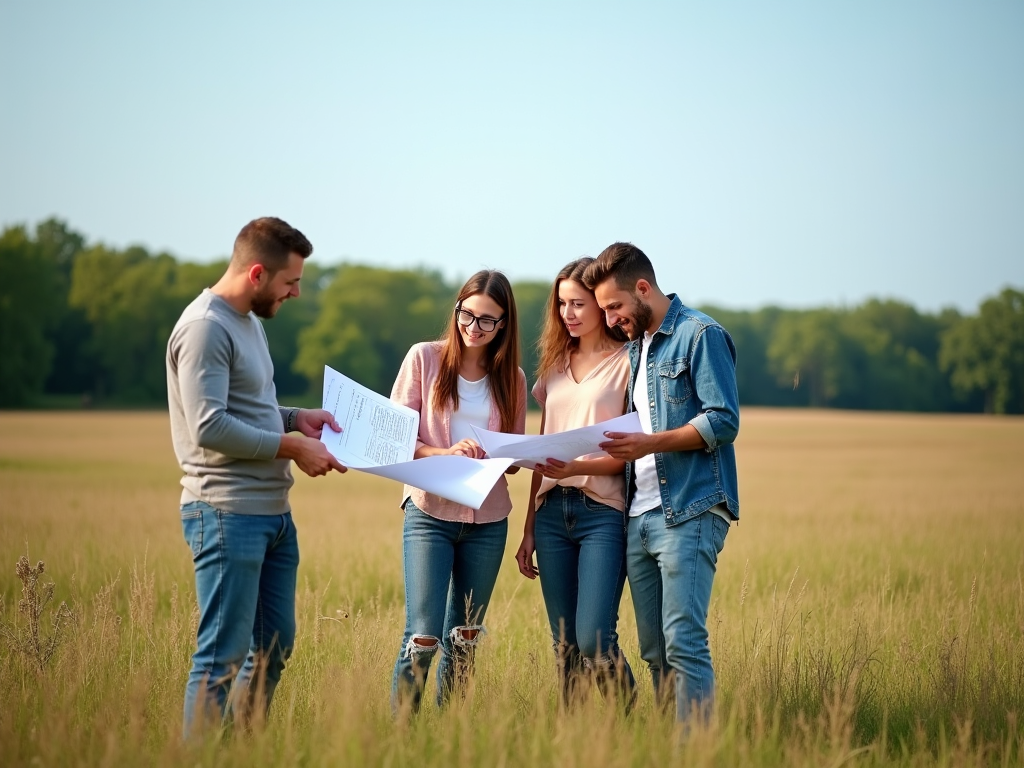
[{"x": 235, "y": 444}]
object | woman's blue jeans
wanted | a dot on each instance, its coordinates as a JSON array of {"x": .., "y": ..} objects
[
  {"x": 450, "y": 570},
  {"x": 671, "y": 571},
  {"x": 245, "y": 589},
  {"x": 581, "y": 550}
]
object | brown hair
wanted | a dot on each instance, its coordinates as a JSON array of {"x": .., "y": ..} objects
[
  {"x": 501, "y": 353},
  {"x": 623, "y": 261},
  {"x": 268, "y": 241},
  {"x": 555, "y": 341}
]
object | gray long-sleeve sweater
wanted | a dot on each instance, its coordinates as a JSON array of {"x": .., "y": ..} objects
[{"x": 226, "y": 424}]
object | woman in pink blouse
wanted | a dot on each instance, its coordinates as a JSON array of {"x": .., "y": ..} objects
[
  {"x": 451, "y": 553},
  {"x": 575, "y": 517}
]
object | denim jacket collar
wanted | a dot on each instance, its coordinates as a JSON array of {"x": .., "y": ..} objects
[
  {"x": 667, "y": 328},
  {"x": 668, "y": 325}
]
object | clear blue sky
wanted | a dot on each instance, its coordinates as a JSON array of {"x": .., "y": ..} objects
[{"x": 796, "y": 153}]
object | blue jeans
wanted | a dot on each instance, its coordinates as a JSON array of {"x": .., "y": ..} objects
[
  {"x": 245, "y": 588},
  {"x": 581, "y": 550},
  {"x": 671, "y": 570},
  {"x": 450, "y": 570}
]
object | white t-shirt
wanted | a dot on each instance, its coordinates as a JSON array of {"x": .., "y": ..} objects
[
  {"x": 474, "y": 409},
  {"x": 648, "y": 493}
]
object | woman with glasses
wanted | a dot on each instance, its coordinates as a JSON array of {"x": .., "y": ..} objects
[
  {"x": 451, "y": 553},
  {"x": 575, "y": 516}
]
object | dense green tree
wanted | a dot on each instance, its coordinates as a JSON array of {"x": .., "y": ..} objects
[
  {"x": 72, "y": 372},
  {"x": 892, "y": 352},
  {"x": 751, "y": 332},
  {"x": 77, "y": 319},
  {"x": 882, "y": 355},
  {"x": 368, "y": 318},
  {"x": 986, "y": 353},
  {"x": 60, "y": 245},
  {"x": 810, "y": 351},
  {"x": 284, "y": 330},
  {"x": 132, "y": 300},
  {"x": 30, "y": 306},
  {"x": 531, "y": 306}
]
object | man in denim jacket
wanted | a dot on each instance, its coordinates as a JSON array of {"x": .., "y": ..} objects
[{"x": 681, "y": 490}]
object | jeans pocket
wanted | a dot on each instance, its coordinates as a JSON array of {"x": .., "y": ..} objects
[
  {"x": 192, "y": 528},
  {"x": 719, "y": 529},
  {"x": 596, "y": 506}
]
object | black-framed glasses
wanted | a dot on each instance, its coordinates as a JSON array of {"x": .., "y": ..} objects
[{"x": 485, "y": 324}]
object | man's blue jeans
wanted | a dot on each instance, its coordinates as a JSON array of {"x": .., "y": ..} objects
[
  {"x": 245, "y": 588},
  {"x": 581, "y": 551},
  {"x": 450, "y": 570},
  {"x": 671, "y": 571}
]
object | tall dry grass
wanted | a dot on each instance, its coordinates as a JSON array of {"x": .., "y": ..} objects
[{"x": 869, "y": 610}]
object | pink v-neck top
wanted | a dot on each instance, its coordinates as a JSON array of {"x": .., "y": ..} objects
[
  {"x": 414, "y": 388},
  {"x": 569, "y": 404}
]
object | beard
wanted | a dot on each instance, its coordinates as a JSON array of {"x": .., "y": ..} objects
[
  {"x": 640, "y": 319},
  {"x": 265, "y": 304}
]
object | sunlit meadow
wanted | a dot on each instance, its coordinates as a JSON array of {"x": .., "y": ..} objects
[{"x": 868, "y": 610}]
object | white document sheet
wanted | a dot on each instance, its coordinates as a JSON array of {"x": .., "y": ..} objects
[
  {"x": 457, "y": 478},
  {"x": 528, "y": 450},
  {"x": 375, "y": 430},
  {"x": 379, "y": 437}
]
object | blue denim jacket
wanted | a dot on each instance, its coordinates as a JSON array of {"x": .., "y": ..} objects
[{"x": 691, "y": 378}]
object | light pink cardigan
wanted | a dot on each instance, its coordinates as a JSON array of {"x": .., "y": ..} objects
[{"x": 413, "y": 389}]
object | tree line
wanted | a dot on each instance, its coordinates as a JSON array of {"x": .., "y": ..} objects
[{"x": 87, "y": 324}]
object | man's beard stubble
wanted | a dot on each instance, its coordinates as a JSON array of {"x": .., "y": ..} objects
[
  {"x": 641, "y": 318},
  {"x": 263, "y": 305}
]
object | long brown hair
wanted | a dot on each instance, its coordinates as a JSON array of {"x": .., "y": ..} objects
[
  {"x": 501, "y": 354},
  {"x": 555, "y": 342}
]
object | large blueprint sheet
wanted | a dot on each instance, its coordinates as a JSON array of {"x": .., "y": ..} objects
[
  {"x": 528, "y": 450},
  {"x": 379, "y": 437}
]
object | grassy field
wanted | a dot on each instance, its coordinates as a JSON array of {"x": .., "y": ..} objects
[{"x": 868, "y": 610}]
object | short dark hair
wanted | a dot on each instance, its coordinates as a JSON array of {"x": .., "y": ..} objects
[
  {"x": 623, "y": 261},
  {"x": 268, "y": 241}
]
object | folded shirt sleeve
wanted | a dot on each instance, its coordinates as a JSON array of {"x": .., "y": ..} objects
[{"x": 713, "y": 369}]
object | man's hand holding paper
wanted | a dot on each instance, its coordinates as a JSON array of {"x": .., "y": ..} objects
[
  {"x": 529, "y": 450},
  {"x": 378, "y": 437}
]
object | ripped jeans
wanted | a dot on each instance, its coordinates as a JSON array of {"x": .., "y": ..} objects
[{"x": 450, "y": 569}]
